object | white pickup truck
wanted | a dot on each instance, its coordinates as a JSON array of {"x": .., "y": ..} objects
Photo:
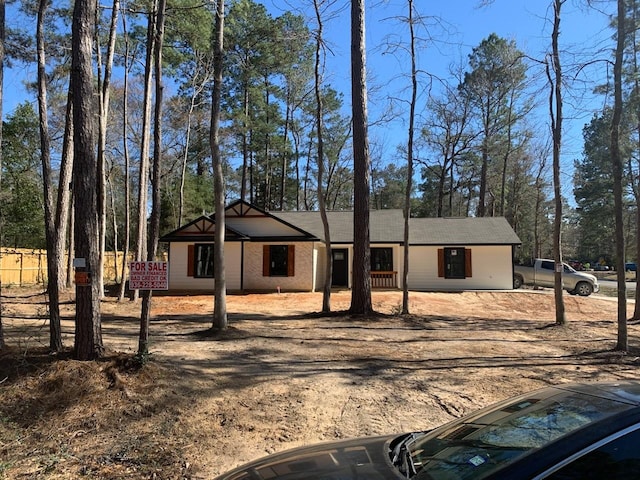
[{"x": 541, "y": 274}]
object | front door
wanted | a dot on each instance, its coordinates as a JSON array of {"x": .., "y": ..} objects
[{"x": 340, "y": 275}]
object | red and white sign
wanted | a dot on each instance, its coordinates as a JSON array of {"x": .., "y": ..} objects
[{"x": 148, "y": 276}]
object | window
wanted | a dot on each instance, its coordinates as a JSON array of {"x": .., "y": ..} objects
[
  {"x": 381, "y": 260},
  {"x": 481, "y": 445},
  {"x": 551, "y": 265},
  {"x": 547, "y": 265},
  {"x": 278, "y": 260},
  {"x": 616, "y": 460},
  {"x": 454, "y": 262},
  {"x": 203, "y": 260}
]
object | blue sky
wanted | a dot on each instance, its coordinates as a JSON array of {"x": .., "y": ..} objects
[{"x": 456, "y": 27}]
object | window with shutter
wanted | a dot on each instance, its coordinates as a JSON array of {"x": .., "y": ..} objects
[
  {"x": 278, "y": 260},
  {"x": 467, "y": 262},
  {"x": 266, "y": 260},
  {"x": 203, "y": 260},
  {"x": 190, "y": 261},
  {"x": 454, "y": 262},
  {"x": 291, "y": 261}
]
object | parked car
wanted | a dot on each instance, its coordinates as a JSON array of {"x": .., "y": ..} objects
[
  {"x": 576, "y": 265},
  {"x": 630, "y": 267},
  {"x": 568, "y": 432},
  {"x": 541, "y": 273}
]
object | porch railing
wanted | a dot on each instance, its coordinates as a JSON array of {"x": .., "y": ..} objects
[{"x": 384, "y": 279}]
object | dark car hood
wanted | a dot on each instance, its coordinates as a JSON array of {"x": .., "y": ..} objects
[{"x": 363, "y": 458}]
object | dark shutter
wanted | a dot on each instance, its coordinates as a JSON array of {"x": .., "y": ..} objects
[
  {"x": 291, "y": 261},
  {"x": 467, "y": 262},
  {"x": 266, "y": 259},
  {"x": 190, "y": 260},
  {"x": 441, "y": 262}
]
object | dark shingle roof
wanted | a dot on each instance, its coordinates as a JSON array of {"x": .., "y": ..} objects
[
  {"x": 387, "y": 226},
  {"x": 462, "y": 231},
  {"x": 384, "y": 225}
]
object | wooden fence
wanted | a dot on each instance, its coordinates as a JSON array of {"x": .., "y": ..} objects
[{"x": 26, "y": 267}]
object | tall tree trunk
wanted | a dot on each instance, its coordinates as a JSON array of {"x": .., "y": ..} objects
[
  {"x": 102, "y": 206},
  {"x": 556, "y": 127},
  {"x": 616, "y": 158},
  {"x": 296, "y": 155},
  {"x": 125, "y": 149},
  {"x": 103, "y": 114},
  {"x": 2, "y": 49},
  {"x": 55, "y": 330},
  {"x": 635, "y": 179},
  {"x": 143, "y": 174},
  {"x": 483, "y": 172},
  {"x": 245, "y": 146},
  {"x": 71, "y": 243},
  {"x": 305, "y": 188},
  {"x": 409, "y": 187},
  {"x": 114, "y": 225},
  {"x": 537, "y": 243},
  {"x": 88, "y": 332},
  {"x": 185, "y": 157},
  {"x": 198, "y": 84},
  {"x": 220, "y": 321},
  {"x": 63, "y": 205},
  {"x": 505, "y": 158},
  {"x": 267, "y": 153},
  {"x": 328, "y": 270},
  {"x": 154, "y": 232},
  {"x": 636, "y": 307},
  {"x": 361, "y": 291},
  {"x": 251, "y": 172},
  {"x": 284, "y": 154},
  {"x": 442, "y": 181}
]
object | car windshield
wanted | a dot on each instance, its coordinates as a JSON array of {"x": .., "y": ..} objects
[{"x": 481, "y": 444}]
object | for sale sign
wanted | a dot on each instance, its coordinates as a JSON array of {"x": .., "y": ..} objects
[{"x": 148, "y": 276}]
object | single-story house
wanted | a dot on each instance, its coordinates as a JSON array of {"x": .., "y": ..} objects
[{"x": 286, "y": 251}]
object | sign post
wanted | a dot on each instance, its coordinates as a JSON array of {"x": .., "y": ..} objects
[{"x": 148, "y": 276}]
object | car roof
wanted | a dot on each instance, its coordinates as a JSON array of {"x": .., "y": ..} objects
[
  {"x": 531, "y": 432},
  {"x": 538, "y": 461}
]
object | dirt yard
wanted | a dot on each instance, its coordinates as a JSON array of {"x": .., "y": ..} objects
[{"x": 278, "y": 377}]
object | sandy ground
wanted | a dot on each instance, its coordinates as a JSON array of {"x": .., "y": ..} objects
[{"x": 279, "y": 377}]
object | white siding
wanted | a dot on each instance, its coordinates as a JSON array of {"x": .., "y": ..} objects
[
  {"x": 178, "y": 279},
  {"x": 491, "y": 269}
]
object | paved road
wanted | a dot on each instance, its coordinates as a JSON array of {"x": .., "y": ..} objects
[{"x": 613, "y": 285}]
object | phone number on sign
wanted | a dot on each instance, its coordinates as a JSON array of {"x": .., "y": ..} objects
[{"x": 148, "y": 285}]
